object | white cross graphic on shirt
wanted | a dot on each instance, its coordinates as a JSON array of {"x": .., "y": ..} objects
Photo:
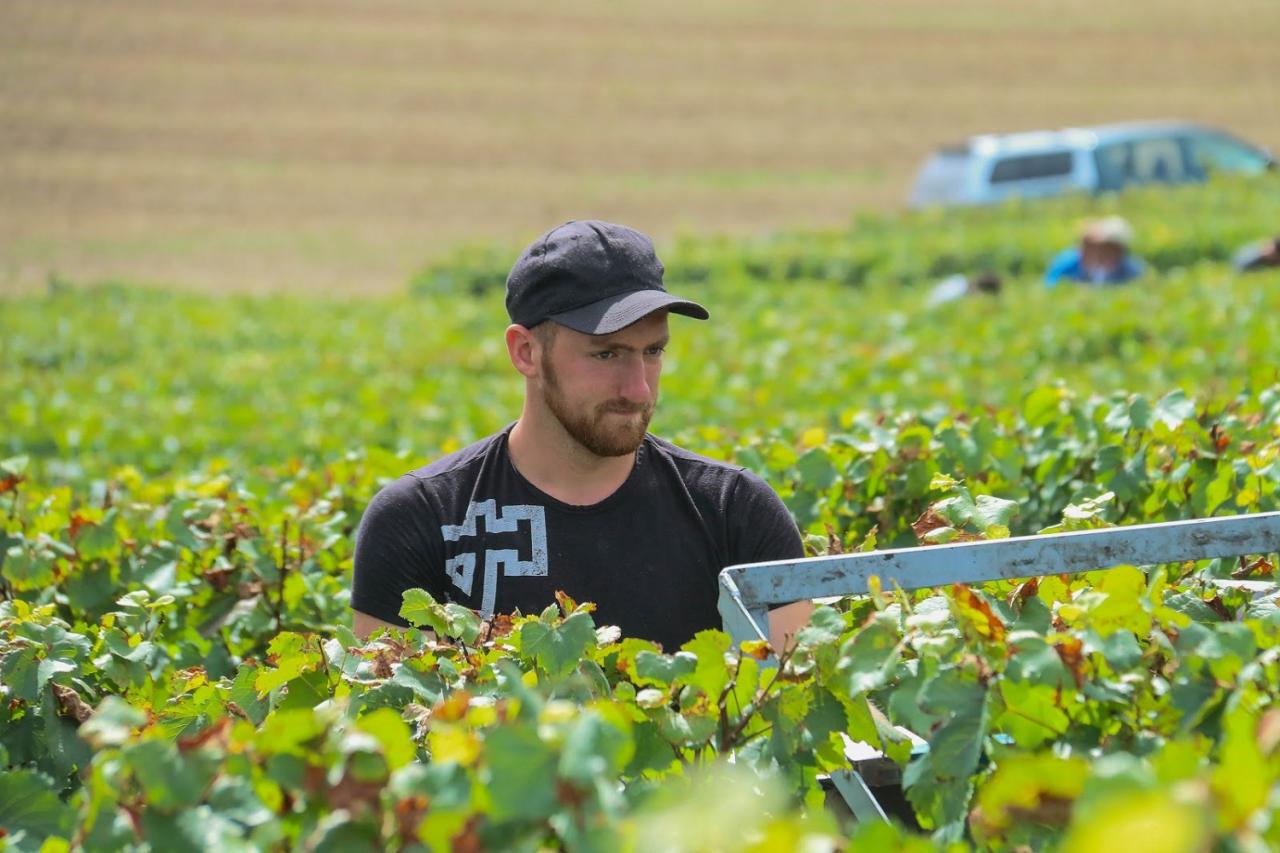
[{"x": 462, "y": 568}]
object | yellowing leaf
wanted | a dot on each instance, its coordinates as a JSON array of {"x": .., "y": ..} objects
[
  {"x": 451, "y": 743},
  {"x": 1150, "y": 821},
  {"x": 813, "y": 437},
  {"x": 975, "y": 614}
]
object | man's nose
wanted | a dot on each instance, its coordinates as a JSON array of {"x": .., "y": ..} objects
[{"x": 635, "y": 381}]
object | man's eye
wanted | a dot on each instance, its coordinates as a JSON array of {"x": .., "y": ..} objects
[
  {"x": 605, "y": 355},
  {"x": 656, "y": 350}
]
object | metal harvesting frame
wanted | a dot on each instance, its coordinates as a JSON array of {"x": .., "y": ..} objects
[{"x": 748, "y": 591}]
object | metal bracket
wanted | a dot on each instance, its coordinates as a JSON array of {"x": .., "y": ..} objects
[
  {"x": 747, "y": 591},
  {"x": 853, "y": 789}
]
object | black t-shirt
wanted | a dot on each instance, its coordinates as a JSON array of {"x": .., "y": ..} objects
[{"x": 470, "y": 528}]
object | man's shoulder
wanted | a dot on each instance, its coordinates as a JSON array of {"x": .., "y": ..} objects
[
  {"x": 414, "y": 492},
  {"x": 703, "y": 471},
  {"x": 1132, "y": 265},
  {"x": 687, "y": 458},
  {"x": 1250, "y": 255},
  {"x": 739, "y": 497},
  {"x": 1067, "y": 258},
  {"x": 459, "y": 462},
  {"x": 1064, "y": 264}
]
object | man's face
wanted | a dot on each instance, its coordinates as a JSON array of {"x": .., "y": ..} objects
[
  {"x": 1271, "y": 253},
  {"x": 602, "y": 388},
  {"x": 1101, "y": 258}
]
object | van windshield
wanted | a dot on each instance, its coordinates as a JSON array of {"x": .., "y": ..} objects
[
  {"x": 1140, "y": 161},
  {"x": 942, "y": 178}
]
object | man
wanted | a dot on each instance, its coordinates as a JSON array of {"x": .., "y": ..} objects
[
  {"x": 958, "y": 286},
  {"x": 1101, "y": 258},
  {"x": 576, "y": 495},
  {"x": 1262, "y": 255}
]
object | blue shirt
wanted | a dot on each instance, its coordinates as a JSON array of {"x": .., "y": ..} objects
[{"x": 1066, "y": 264}]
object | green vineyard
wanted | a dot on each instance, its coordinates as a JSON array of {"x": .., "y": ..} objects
[{"x": 181, "y": 477}]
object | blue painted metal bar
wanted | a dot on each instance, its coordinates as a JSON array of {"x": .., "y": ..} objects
[
  {"x": 741, "y": 622},
  {"x": 853, "y": 789},
  {"x": 748, "y": 590}
]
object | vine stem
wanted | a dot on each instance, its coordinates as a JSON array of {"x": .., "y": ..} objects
[
  {"x": 758, "y": 700},
  {"x": 324, "y": 663},
  {"x": 722, "y": 701},
  {"x": 284, "y": 569}
]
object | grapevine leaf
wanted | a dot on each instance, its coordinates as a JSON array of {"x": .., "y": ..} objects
[
  {"x": 824, "y": 627},
  {"x": 113, "y": 722},
  {"x": 234, "y": 798},
  {"x": 1174, "y": 408},
  {"x": 827, "y": 717},
  {"x": 245, "y": 695},
  {"x": 522, "y": 770},
  {"x": 956, "y": 747},
  {"x": 594, "y": 748},
  {"x": 461, "y": 623},
  {"x": 652, "y": 751},
  {"x": 685, "y": 729},
  {"x": 170, "y": 780},
  {"x": 30, "y": 807},
  {"x": 1031, "y": 715},
  {"x": 427, "y": 685},
  {"x": 293, "y": 658},
  {"x": 421, "y": 610},
  {"x": 67, "y": 750},
  {"x": 1036, "y": 662},
  {"x": 1136, "y": 819},
  {"x": 1041, "y": 787},
  {"x": 990, "y": 511},
  {"x": 558, "y": 648},
  {"x": 711, "y": 674},
  {"x": 199, "y": 828},
  {"x": 14, "y": 466},
  {"x": 19, "y": 670},
  {"x": 661, "y": 670},
  {"x": 392, "y": 734},
  {"x": 868, "y": 661}
]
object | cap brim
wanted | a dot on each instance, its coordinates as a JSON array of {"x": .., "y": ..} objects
[{"x": 617, "y": 312}]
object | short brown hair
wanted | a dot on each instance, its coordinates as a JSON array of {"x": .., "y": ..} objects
[{"x": 545, "y": 332}]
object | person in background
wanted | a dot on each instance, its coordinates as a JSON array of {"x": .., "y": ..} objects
[
  {"x": 1103, "y": 256},
  {"x": 1262, "y": 255},
  {"x": 957, "y": 286}
]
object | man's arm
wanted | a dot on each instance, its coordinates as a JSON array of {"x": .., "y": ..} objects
[
  {"x": 1063, "y": 264},
  {"x": 362, "y": 625},
  {"x": 768, "y": 532},
  {"x": 396, "y": 549},
  {"x": 785, "y": 622}
]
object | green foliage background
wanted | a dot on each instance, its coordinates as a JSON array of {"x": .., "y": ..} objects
[{"x": 184, "y": 474}]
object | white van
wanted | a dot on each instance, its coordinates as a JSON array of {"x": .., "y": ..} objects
[{"x": 1105, "y": 158}]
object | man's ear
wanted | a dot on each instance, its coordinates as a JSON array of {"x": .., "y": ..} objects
[{"x": 523, "y": 347}]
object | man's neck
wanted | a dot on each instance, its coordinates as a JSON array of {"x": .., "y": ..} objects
[{"x": 549, "y": 458}]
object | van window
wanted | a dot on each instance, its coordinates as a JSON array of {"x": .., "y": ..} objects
[
  {"x": 1032, "y": 166},
  {"x": 1158, "y": 161},
  {"x": 1142, "y": 161},
  {"x": 1115, "y": 165}
]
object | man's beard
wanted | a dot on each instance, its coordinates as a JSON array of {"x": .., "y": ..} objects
[{"x": 593, "y": 429}]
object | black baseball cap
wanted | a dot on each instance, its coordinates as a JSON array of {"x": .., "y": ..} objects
[{"x": 594, "y": 277}]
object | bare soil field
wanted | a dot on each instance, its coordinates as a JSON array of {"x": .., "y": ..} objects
[{"x": 336, "y": 146}]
